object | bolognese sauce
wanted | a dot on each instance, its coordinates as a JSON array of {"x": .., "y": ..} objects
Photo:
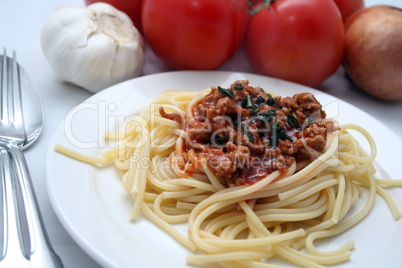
[{"x": 245, "y": 133}]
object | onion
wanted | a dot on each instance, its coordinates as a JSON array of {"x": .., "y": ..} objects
[{"x": 373, "y": 51}]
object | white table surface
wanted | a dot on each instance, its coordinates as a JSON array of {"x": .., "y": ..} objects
[{"x": 21, "y": 22}]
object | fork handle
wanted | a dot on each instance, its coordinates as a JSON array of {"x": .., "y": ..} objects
[{"x": 42, "y": 254}]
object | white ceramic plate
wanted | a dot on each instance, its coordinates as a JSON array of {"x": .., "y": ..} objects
[{"x": 95, "y": 210}]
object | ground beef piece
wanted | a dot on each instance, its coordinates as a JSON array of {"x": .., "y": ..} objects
[
  {"x": 300, "y": 115},
  {"x": 198, "y": 136},
  {"x": 200, "y": 112},
  {"x": 220, "y": 163},
  {"x": 226, "y": 106},
  {"x": 240, "y": 154},
  {"x": 278, "y": 100},
  {"x": 282, "y": 163},
  {"x": 311, "y": 141},
  {"x": 221, "y": 126},
  {"x": 281, "y": 117},
  {"x": 328, "y": 125},
  {"x": 271, "y": 153},
  {"x": 288, "y": 105},
  {"x": 214, "y": 96},
  {"x": 309, "y": 104},
  {"x": 310, "y": 148},
  {"x": 275, "y": 160},
  {"x": 254, "y": 144},
  {"x": 287, "y": 147},
  {"x": 264, "y": 108},
  {"x": 312, "y": 131},
  {"x": 253, "y": 91},
  {"x": 211, "y": 113},
  {"x": 225, "y": 164}
]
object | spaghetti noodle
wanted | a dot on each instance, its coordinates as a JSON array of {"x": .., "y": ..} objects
[{"x": 242, "y": 214}]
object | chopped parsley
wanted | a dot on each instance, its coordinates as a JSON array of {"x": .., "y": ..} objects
[
  {"x": 225, "y": 91},
  {"x": 221, "y": 140},
  {"x": 248, "y": 104},
  {"x": 260, "y": 100},
  {"x": 254, "y": 112},
  {"x": 238, "y": 87},
  {"x": 247, "y": 132},
  {"x": 293, "y": 122},
  {"x": 278, "y": 133},
  {"x": 270, "y": 101},
  {"x": 268, "y": 115}
]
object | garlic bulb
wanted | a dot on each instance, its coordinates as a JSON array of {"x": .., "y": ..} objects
[{"x": 93, "y": 47}]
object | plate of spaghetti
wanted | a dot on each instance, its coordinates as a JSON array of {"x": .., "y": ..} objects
[{"x": 223, "y": 169}]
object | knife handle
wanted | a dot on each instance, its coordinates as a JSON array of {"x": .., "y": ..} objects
[{"x": 41, "y": 251}]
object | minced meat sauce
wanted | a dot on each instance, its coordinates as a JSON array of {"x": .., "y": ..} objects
[{"x": 245, "y": 133}]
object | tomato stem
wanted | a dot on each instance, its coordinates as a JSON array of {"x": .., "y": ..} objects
[{"x": 255, "y": 10}]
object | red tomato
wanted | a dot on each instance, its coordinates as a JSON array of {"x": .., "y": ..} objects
[
  {"x": 194, "y": 34},
  {"x": 131, "y": 7},
  {"x": 347, "y": 7},
  {"x": 296, "y": 40}
]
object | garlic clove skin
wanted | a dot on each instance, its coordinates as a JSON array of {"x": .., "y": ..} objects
[{"x": 93, "y": 47}]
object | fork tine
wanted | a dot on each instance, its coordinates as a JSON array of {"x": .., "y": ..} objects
[
  {"x": 4, "y": 87},
  {"x": 17, "y": 119},
  {"x": 16, "y": 91}
]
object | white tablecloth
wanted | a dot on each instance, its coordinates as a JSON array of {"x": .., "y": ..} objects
[{"x": 21, "y": 22}]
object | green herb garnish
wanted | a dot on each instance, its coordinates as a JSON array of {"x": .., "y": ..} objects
[
  {"x": 268, "y": 115},
  {"x": 221, "y": 140},
  {"x": 247, "y": 132},
  {"x": 225, "y": 91},
  {"x": 238, "y": 87},
  {"x": 270, "y": 100},
  {"x": 248, "y": 104},
  {"x": 278, "y": 133},
  {"x": 254, "y": 112},
  {"x": 293, "y": 122},
  {"x": 260, "y": 100}
]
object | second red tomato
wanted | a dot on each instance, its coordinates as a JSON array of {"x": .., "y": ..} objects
[
  {"x": 194, "y": 34},
  {"x": 297, "y": 40}
]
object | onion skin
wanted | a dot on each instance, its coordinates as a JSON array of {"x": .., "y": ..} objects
[{"x": 373, "y": 51}]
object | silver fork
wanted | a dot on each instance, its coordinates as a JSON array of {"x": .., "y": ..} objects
[
  {"x": 34, "y": 245},
  {"x": 11, "y": 254}
]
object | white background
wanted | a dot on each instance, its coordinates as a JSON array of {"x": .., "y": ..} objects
[{"x": 21, "y": 22}]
